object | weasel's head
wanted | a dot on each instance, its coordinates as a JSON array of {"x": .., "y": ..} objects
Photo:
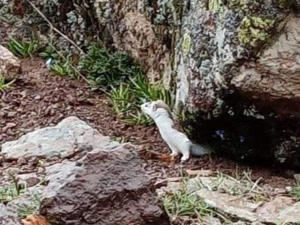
[
  {"x": 154, "y": 109},
  {"x": 148, "y": 108}
]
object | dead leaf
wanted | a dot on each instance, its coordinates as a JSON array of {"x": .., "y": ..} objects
[{"x": 35, "y": 220}]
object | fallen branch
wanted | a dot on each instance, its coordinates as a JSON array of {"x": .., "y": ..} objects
[{"x": 55, "y": 29}]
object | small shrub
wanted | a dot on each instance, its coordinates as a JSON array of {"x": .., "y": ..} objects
[
  {"x": 105, "y": 69},
  {"x": 22, "y": 48}
]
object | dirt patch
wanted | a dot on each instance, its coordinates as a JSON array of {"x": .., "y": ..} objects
[{"x": 39, "y": 99}]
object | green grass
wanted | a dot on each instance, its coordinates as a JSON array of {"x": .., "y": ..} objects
[
  {"x": 31, "y": 207},
  {"x": 127, "y": 98},
  {"x": 296, "y": 192},
  {"x": 181, "y": 203},
  {"x": 23, "y": 48},
  {"x": 9, "y": 193},
  {"x": 185, "y": 207},
  {"x": 65, "y": 69},
  {"x": 4, "y": 85}
]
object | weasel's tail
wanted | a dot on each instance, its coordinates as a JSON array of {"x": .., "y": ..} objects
[{"x": 198, "y": 150}]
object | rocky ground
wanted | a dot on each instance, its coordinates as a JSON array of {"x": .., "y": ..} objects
[{"x": 40, "y": 99}]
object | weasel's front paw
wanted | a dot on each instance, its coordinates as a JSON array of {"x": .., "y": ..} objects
[{"x": 184, "y": 158}]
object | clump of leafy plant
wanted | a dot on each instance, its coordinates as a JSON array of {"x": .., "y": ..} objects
[
  {"x": 49, "y": 53},
  {"x": 64, "y": 69},
  {"x": 105, "y": 69},
  {"x": 60, "y": 63},
  {"x": 22, "y": 48},
  {"x": 128, "y": 96}
]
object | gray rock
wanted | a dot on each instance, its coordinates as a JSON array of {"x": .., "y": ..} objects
[
  {"x": 30, "y": 179},
  {"x": 69, "y": 135},
  {"x": 297, "y": 177},
  {"x": 10, "y": 65},
  {"x": 7, "y": 216},
  {"x": 59, "y": 175},
  {"x": 105, "y": 188}
]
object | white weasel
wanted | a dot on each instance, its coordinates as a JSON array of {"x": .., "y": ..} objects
[{"x": 177, "y": 141}]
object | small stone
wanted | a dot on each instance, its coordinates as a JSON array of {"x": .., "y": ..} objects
[
  {"x": 202, "y": 173},
  {"x": 37, "y": 97},
  {"x": 31, "y": 179},
  {"x": 297, "y": 177},
  {"x": 21, "y": 161},
  {"x": 11, "y": 114},
  {"x": 10, "y": 125}
]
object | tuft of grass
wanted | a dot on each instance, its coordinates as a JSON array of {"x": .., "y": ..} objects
[
  {"x": 31, "y": 207},
  {"x": 61, "y": 63},
  {"x": 181, "y": 203},
  {"x": 9, "y": 193},
  {"x": 23, "y": 48},
  {"x": 4, "y": 85},
  {"x": 127, "y": 98},
  {"x": 64, "y": 69},
  {"x": 295, "y": 193}
]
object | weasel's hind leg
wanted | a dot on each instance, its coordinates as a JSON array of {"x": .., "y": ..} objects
[{"x": 174, "y": 151}]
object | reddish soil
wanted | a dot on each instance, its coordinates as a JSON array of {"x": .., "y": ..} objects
[{"x": 39, "y": 99}]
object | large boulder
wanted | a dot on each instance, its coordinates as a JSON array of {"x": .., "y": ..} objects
[
  {"x": 107, "y": 188},
  {"x": 87, "y": 178}
]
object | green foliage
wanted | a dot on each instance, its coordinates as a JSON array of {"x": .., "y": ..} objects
[
  {"x": 3, "y": 84},
  {"x": 123, "y": 80},
  {"x": 49, "y": 53},
  {"x": 31, "y": 207},
  {"x": 105, "y": 69},
  {"x": 65, "y": 69},
  {"x": 23, "y": 48},
  {"x": 61, "y": 63},
  {"x": 128, "y": 96},
  {"x": 182, "y": 203},
  {"x": 296, "y": 192},
  {"x": 9, "y": 193}
]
